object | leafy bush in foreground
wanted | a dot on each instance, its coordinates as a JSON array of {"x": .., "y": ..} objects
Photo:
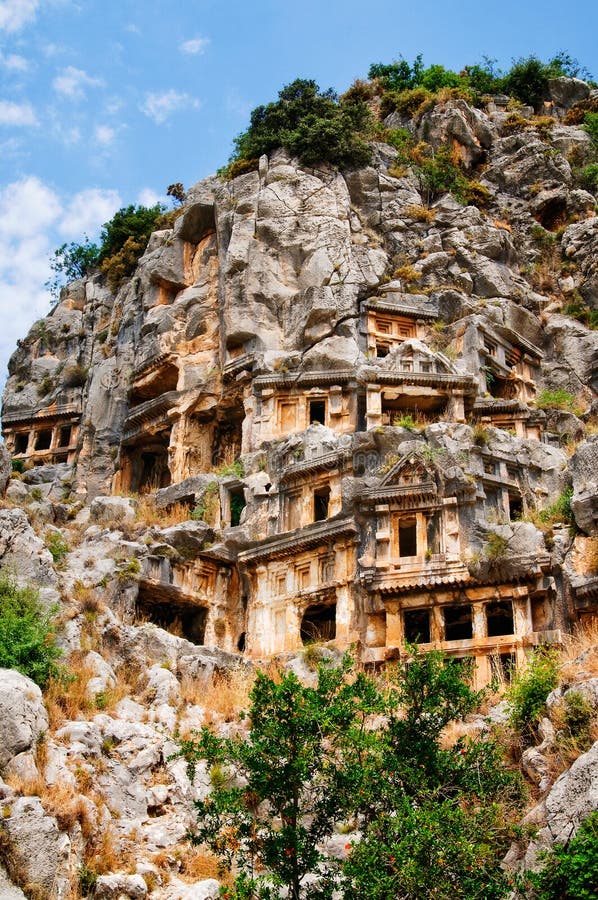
[
  {"x": 434, "y": 820},
  {"x": 26, "y": 635},
  {"x": 571, "y": 871}
]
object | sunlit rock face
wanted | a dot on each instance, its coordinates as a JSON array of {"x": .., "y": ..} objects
[{"x": 347, "y": 399}]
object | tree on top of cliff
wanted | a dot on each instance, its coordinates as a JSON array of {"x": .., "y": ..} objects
[{"x": 312, "y": 124}]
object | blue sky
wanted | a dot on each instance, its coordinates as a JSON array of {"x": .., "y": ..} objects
[{"x": 105, "y": 102}]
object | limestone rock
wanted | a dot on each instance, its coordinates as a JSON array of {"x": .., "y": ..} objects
[
  {"x": 119, "y": 887},
  {"x": 572, "y": 798},
  {"x": 22, "y": 713},
  {"x": 108, "y": 510},
  {"x": 564, "y": 92},
  {"x": 22, "y": 551},
  {"x": 8, "y": 890},
  {"x": 41, "y": 851}
]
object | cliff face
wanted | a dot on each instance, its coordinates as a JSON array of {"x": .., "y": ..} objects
[
  {"x": 322, "y": 409},
  {"x": 371, "y": 401}
]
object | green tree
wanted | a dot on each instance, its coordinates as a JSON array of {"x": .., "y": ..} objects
[
  {"x": 438, "y": 818},
  {"x": 26, "y": 636},
  {"x": 312, "y": 124},
  {"x": 136, "y": 222},
  {"x": 278, "y": 793},
  {"x": 71, "y": 261},
  {"x": 433, "y": 819},
  {"x": 527, "y": 79},
  {"x": 398, "y": 75}
]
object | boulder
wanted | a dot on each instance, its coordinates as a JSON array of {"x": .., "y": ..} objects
[
  {"x": 111, "y": 510},
  {"x": 41, "y": 851},
  {"x": 564, "y": 92},
  {"x": 572, "y": 798},
  {"x": 22, "y": 714},
  {"x": 119, "y": 887},
  {"x": 22, "y": 551}
]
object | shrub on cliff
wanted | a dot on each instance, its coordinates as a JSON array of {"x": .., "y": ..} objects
[
  {"x": 434, "y": 820},
  {"x": 312, "y": 124},
  {"x": 26, "y": 637}
]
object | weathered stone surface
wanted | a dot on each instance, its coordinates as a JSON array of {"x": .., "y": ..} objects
[
  {"x": 108, "y": 510},
  {"x": 22, "y": 713},
  {"x": 118, "y": 887},
  {"x": 22, "y": 552},
  {"x": 583, "y": 468},
  {"x": 42, "y": 852},
  {"x": 564, "y": 92},
  {"x": 572, "y": 798},
  {"x": 8, "y": 890}
]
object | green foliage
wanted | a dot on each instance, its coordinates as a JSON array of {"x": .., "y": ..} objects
[
  {"x": 530, "y": 688},
  {"x": 437, "y": 825},
  {"x": 26, "y": 636},
  {"x": 17, "y": 465},
  {"x": 136, "y": 222},
  {"x": 589, "y": 177},
  {"x": 496, "y": 546},
  {"x": 571, "y": 871},
  {"x": 558, "y": 398},
  {"x": 527, "y": 80},
  {"x": 57, "y": 545},
  {"x": 87, "y": 880},
  {"x": 123, "y": 240},
  {"x": 577, "y": 308},
  {"x": 439, "y": 174},
  {"x": 399, "y": 75},
  {"x": 296, "y": 779},
  {"x": 236, "y": 468},
  {"x": 432, "y": 819},
  {"x": 578, "y": 714},
  {"x": 71, "y": 261},
  {"x": 313, "y": 125}
]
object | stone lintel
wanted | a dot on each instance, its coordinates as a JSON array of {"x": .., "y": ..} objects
[{"x": 299, "y": 540}]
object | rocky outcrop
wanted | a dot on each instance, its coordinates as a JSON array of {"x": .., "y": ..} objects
[
  {"x": 568, "y": 804},
  {"x": 22, "y": 712},
  {"x": 327, "y": 406}
]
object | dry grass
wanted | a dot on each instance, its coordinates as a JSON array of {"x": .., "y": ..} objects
[
  {"x": 227, "y": 694},
  {"x": 149, "y": 514},
  {"x": 66, "y": 698},
  {"x": 407, "y": 273},
  {"x": 583, "y": 642},
  {"x": 420, "y": 213},
  {"x": 59, "y": 800},
  {"x": 104, "y": 855},
  {"x": 197, "y": 864}
]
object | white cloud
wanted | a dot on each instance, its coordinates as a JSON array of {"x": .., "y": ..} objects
[
  {"x": 149, "y": 197},
  {"x": 86, "y": 211},
  {"x": 14, "y": 14},
  {"x": 104, "y": 135},
  {"x": 72, "y": 82},
  {"x": 27, "y": 207},
  {"x": 194, "y": 46},
  {"x": 21, "y": 114},
  {"x": 13, "y": 62},
  {"x": 161, "y": 105},
  {"x": 34, "y": 219}
]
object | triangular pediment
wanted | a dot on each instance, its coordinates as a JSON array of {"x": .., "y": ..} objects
[{"x": 411, "y": 469}]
